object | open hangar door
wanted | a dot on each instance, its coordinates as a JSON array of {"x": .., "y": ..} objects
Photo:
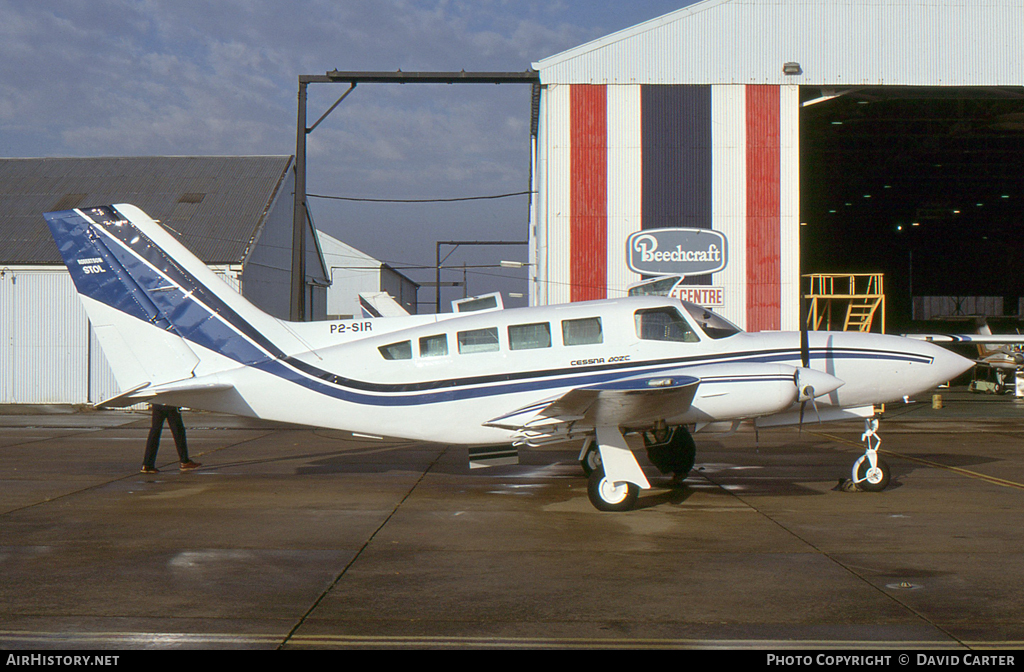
[{"x": 925, "y": 185}]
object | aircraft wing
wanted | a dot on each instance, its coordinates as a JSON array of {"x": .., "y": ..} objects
[
  {"x": 631, "y": 402},
  {"x": 991, "y": 354},
  {"x": 983, "y": 339}
]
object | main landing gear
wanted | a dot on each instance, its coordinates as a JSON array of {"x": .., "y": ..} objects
[
  {"x": 670, "y": 449},
  {"x": 870, "y": 472},
  {"x": 606, "y": 495}
]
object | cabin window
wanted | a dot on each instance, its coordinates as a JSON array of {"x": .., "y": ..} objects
[
  {"x": 663, "y": 324},
  {"x": 434, "y": 346},
  {"x": 586, "y": 331},
  {"x": 478, "y": 340},
  {"x": 401, "y": 350},
  {"x": 713, "y": 324},
  {"x": 529, "y": 336}
]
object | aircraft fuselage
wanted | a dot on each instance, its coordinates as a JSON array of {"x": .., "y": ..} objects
[{"x": 444, "y": 378}]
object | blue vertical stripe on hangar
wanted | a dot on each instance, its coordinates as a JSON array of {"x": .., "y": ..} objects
[{"x": 676, "y": 158}]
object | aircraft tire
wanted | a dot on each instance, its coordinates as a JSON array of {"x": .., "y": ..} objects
[
  {"x": 607, "y": 496},
  {"x": 591, "y": 461},
  {"x": 870, "y": 480},
  {"x": 676, "y": 454}
]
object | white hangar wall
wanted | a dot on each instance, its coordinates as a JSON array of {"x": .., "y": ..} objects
[
  {"x": 616, "y": 159},
  {"x": 691, "y": 121},
  {"x": 49, "y": 353},
  {"x": 837, "y": 42}
]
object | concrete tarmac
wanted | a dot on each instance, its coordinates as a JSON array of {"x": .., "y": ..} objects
[{"x": 292, "y": 537}]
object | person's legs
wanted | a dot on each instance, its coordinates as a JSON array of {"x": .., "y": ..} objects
[
  {"x": 153, "y": 441},
  {"x": 177, "y": 426}
]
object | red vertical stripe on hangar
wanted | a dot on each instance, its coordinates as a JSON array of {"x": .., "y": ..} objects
[
  {"x": 764, "y": 209},
  {"x": 589, "y": 192}
]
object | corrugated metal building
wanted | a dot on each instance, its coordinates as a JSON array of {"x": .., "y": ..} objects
[
  {"x": 235, "y": 213},
  {"x": 358, "y": 280},
  {"x": 693, "y": 120}
]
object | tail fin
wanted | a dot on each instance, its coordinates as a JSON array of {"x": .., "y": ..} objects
[
  {"x": 987, "y": 350},
  {"x": 160, "y": 314}
]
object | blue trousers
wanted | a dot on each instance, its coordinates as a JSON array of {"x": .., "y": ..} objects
[{"x": 173, "y": 417}]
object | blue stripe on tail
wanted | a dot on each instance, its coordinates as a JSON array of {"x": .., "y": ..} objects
[
  {"x": 95, "y": 271},
  {"x": 112, "y": 261}
]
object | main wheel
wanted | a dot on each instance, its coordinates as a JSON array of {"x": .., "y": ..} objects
[
  {"x": 591, "y": 461},
  {"x": 871, "y": 479},
  {"x": 673, "y": 453},
  {"x": 608, "y": 496}
]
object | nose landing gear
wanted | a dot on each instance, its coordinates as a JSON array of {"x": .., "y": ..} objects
[{"x": 870, "y": 472}]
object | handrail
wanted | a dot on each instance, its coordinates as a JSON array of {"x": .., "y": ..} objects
[{"x": 863, "y": 293}]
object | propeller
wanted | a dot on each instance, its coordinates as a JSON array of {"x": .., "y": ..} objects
[
  {"x": 805, "y": 348},
  {"x": 810, "y": 385},
  {"x": 804, "y": 393}
]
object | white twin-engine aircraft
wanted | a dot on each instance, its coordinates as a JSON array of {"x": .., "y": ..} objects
[{"x": 614, "y": 376}]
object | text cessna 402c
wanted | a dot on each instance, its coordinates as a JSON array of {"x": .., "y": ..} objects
[{"x": 615, "y": 376}]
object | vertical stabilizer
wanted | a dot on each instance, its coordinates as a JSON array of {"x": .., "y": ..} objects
[{"x": 159, "y": 313}]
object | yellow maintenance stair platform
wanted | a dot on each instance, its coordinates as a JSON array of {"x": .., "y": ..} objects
[{"x": 852, "y": 301}]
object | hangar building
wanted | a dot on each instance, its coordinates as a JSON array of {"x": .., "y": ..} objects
[
  {"x": 234, "y": 213},
  {"x": 364, "y": 286},
  {"x": 797, "y": 136}
]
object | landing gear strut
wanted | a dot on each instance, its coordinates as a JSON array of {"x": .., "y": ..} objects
[
  {"x": 615, "y": 479},
  {"x": 870, "y": 472},
  {"x": 591, "y": 460}
]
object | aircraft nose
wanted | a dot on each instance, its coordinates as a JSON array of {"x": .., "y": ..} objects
[{"x": 946, "y": 364}]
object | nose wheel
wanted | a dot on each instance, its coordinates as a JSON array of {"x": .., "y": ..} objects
[{"x": 870, "y": 472}]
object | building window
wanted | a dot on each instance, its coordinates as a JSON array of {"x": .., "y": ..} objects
[
  {"x": 478, "y": 340},
  {"x": 529, "y": 336},
  {"x": 401, "y": 350},
  {"x": 434, "y": 346},
  {"x": 582, "y": 332}
]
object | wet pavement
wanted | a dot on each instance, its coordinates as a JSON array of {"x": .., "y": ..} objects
[{"x": 292, "y": 537}]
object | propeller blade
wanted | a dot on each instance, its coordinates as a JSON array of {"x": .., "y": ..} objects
[{"x": 805, "y": 348}]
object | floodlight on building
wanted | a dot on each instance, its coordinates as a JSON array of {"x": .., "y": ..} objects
[{"x": 792, "y": 68}]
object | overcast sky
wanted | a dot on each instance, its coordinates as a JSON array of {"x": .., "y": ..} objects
[{"x": 183, "y": 77}]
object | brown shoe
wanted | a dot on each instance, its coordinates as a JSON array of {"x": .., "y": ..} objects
[
  {"x": 188, "y": 466},
  {"x": 150, "y": 470}
]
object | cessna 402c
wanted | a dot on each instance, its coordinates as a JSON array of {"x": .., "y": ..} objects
[{"x": 614, "y": 376}]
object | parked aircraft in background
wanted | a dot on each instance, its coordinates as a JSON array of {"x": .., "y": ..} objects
[
  {"x": 1000, "y": 352},
  {"x": 611, "y": 376}
]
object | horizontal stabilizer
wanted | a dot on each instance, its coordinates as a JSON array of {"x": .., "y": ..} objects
[
  {"x": 146, "y": 393},
  {"x": 126, "y": 398}
]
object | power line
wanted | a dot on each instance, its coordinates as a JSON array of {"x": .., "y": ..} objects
[{"x": 420, "y": 200}]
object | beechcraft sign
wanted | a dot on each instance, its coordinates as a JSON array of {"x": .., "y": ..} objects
[{"x": 686, "y": 252}]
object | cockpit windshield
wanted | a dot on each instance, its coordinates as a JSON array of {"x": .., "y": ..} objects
[{"x": 710, "y": 322}]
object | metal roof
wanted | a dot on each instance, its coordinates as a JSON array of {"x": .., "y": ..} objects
[
  {"x": 217, "y": 203},
  {"x": 835, "y": 43}
]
